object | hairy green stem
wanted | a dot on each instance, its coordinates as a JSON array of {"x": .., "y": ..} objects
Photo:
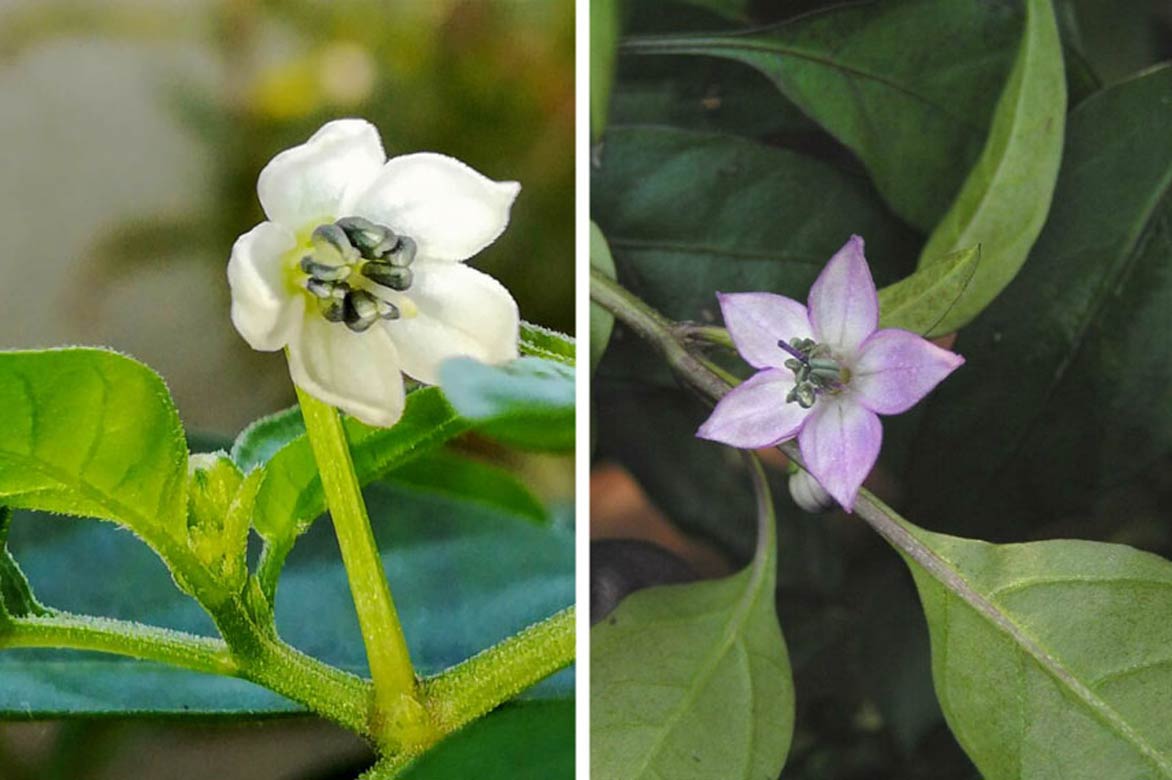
[
  {"x": 469, "y": 690},
  {"x": 120, "y": 637},
  {"x": 399, "y": 719},
  {"x": 259, "y": 658}
]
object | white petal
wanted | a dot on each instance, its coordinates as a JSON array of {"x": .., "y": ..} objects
[
  {"x": 306, "y": 185},
  {"x": 357, "y": 372},
  {"x": 450, "y": 210},
  {"x": 263, "y": 310},
  {"x": 460, "y": 311}
]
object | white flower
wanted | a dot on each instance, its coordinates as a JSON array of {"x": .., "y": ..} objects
[{"x": 359, "y": 271}]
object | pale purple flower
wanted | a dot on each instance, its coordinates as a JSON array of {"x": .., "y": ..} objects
[{"x": 825, "y": 373}]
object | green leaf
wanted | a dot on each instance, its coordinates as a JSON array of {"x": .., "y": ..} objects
[
  {"x": 259, "y": 442},
  {"x": 537, "y": 341},
  {"x": 290, "y": 497},
  {"x": 527, "y": 403},
  {"x": 465, "y": 576},
  {"x": 92, "y": 433},
  {"x": 601, "y": 320},
  {"x": 705, "y": 94},
  {"x": 1003, "y": 203},
  {"x": 909, "y": 87},
  {"x": 1075, "y": 337},
  {"x": 16, "y": 597},
  {"x": 604, "y": 43},
  {"x": 445, "y": 473},
  {"x": 693, "y": 681},
  {"x": 520, "y": 741},
  {"x": 1052, "y": 659},
  {"x": 922, "y": 301}
]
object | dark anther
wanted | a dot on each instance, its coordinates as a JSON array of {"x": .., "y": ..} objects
[
  {"x": 371, "y": 240},
  {"x": 387, "y": 310},
  {"x": 334, "y": 236},
  {"x": 388, "y": 275},
  {"x": 402, "y": 254},
  {"x": 361, "y": 311},
  {"x": 324, "y": 272}
]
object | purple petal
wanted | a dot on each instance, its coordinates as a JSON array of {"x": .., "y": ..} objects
[
  {"x": 844, "y": 306},
  {"x": 896, "y": 368},
  {"x": 840, "y": 444},
  {"x": 757, "y": 320},
  {"x": 755, "y": 414}
]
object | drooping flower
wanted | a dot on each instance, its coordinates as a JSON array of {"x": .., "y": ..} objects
[
  {"x": 825, "y": 373},
  {"x": 359, "y": 271}
]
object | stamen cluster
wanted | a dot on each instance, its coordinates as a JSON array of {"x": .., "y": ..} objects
[
  {"x": 350, "y": 246},
  {"x": 814, "y": 372}
]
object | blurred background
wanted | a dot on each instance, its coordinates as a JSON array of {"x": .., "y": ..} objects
[
  {"x": 133, "y": 132},
  {"x": 131, "y": 136}
]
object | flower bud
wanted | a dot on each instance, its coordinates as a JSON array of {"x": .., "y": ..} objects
[{"x": 808, "y": 494}]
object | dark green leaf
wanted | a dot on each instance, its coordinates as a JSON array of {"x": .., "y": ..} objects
[
  {"x": 464, "y": 577},
  {"x": 527, "y": 403},
  {"x": 601, "y": 321},
  {"x": 921, "y": 302},
  {"x": 909, "y": 87},
  {"x": 700, "y": 487},
  {"x": 92, "y": 433},
  {"x": 448, "y": 474},
  {"x": 1006, "y": 196},
  {"x": 690, "y": 214},
  {"x": 730, "y": 9},
  {"x": 521, "y": 741},
  {"x": 1063, "y": 393},
  {"x": 1052, "y": 659}
]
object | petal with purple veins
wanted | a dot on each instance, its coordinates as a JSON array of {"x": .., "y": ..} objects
[
  {"x": 895, "y": 369},
  {"x": 840, "y": 444},
  {"x": 756, "y": 321},
  {"x": 755, "y": 413},
  {"x": 844, "y": 305}
]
